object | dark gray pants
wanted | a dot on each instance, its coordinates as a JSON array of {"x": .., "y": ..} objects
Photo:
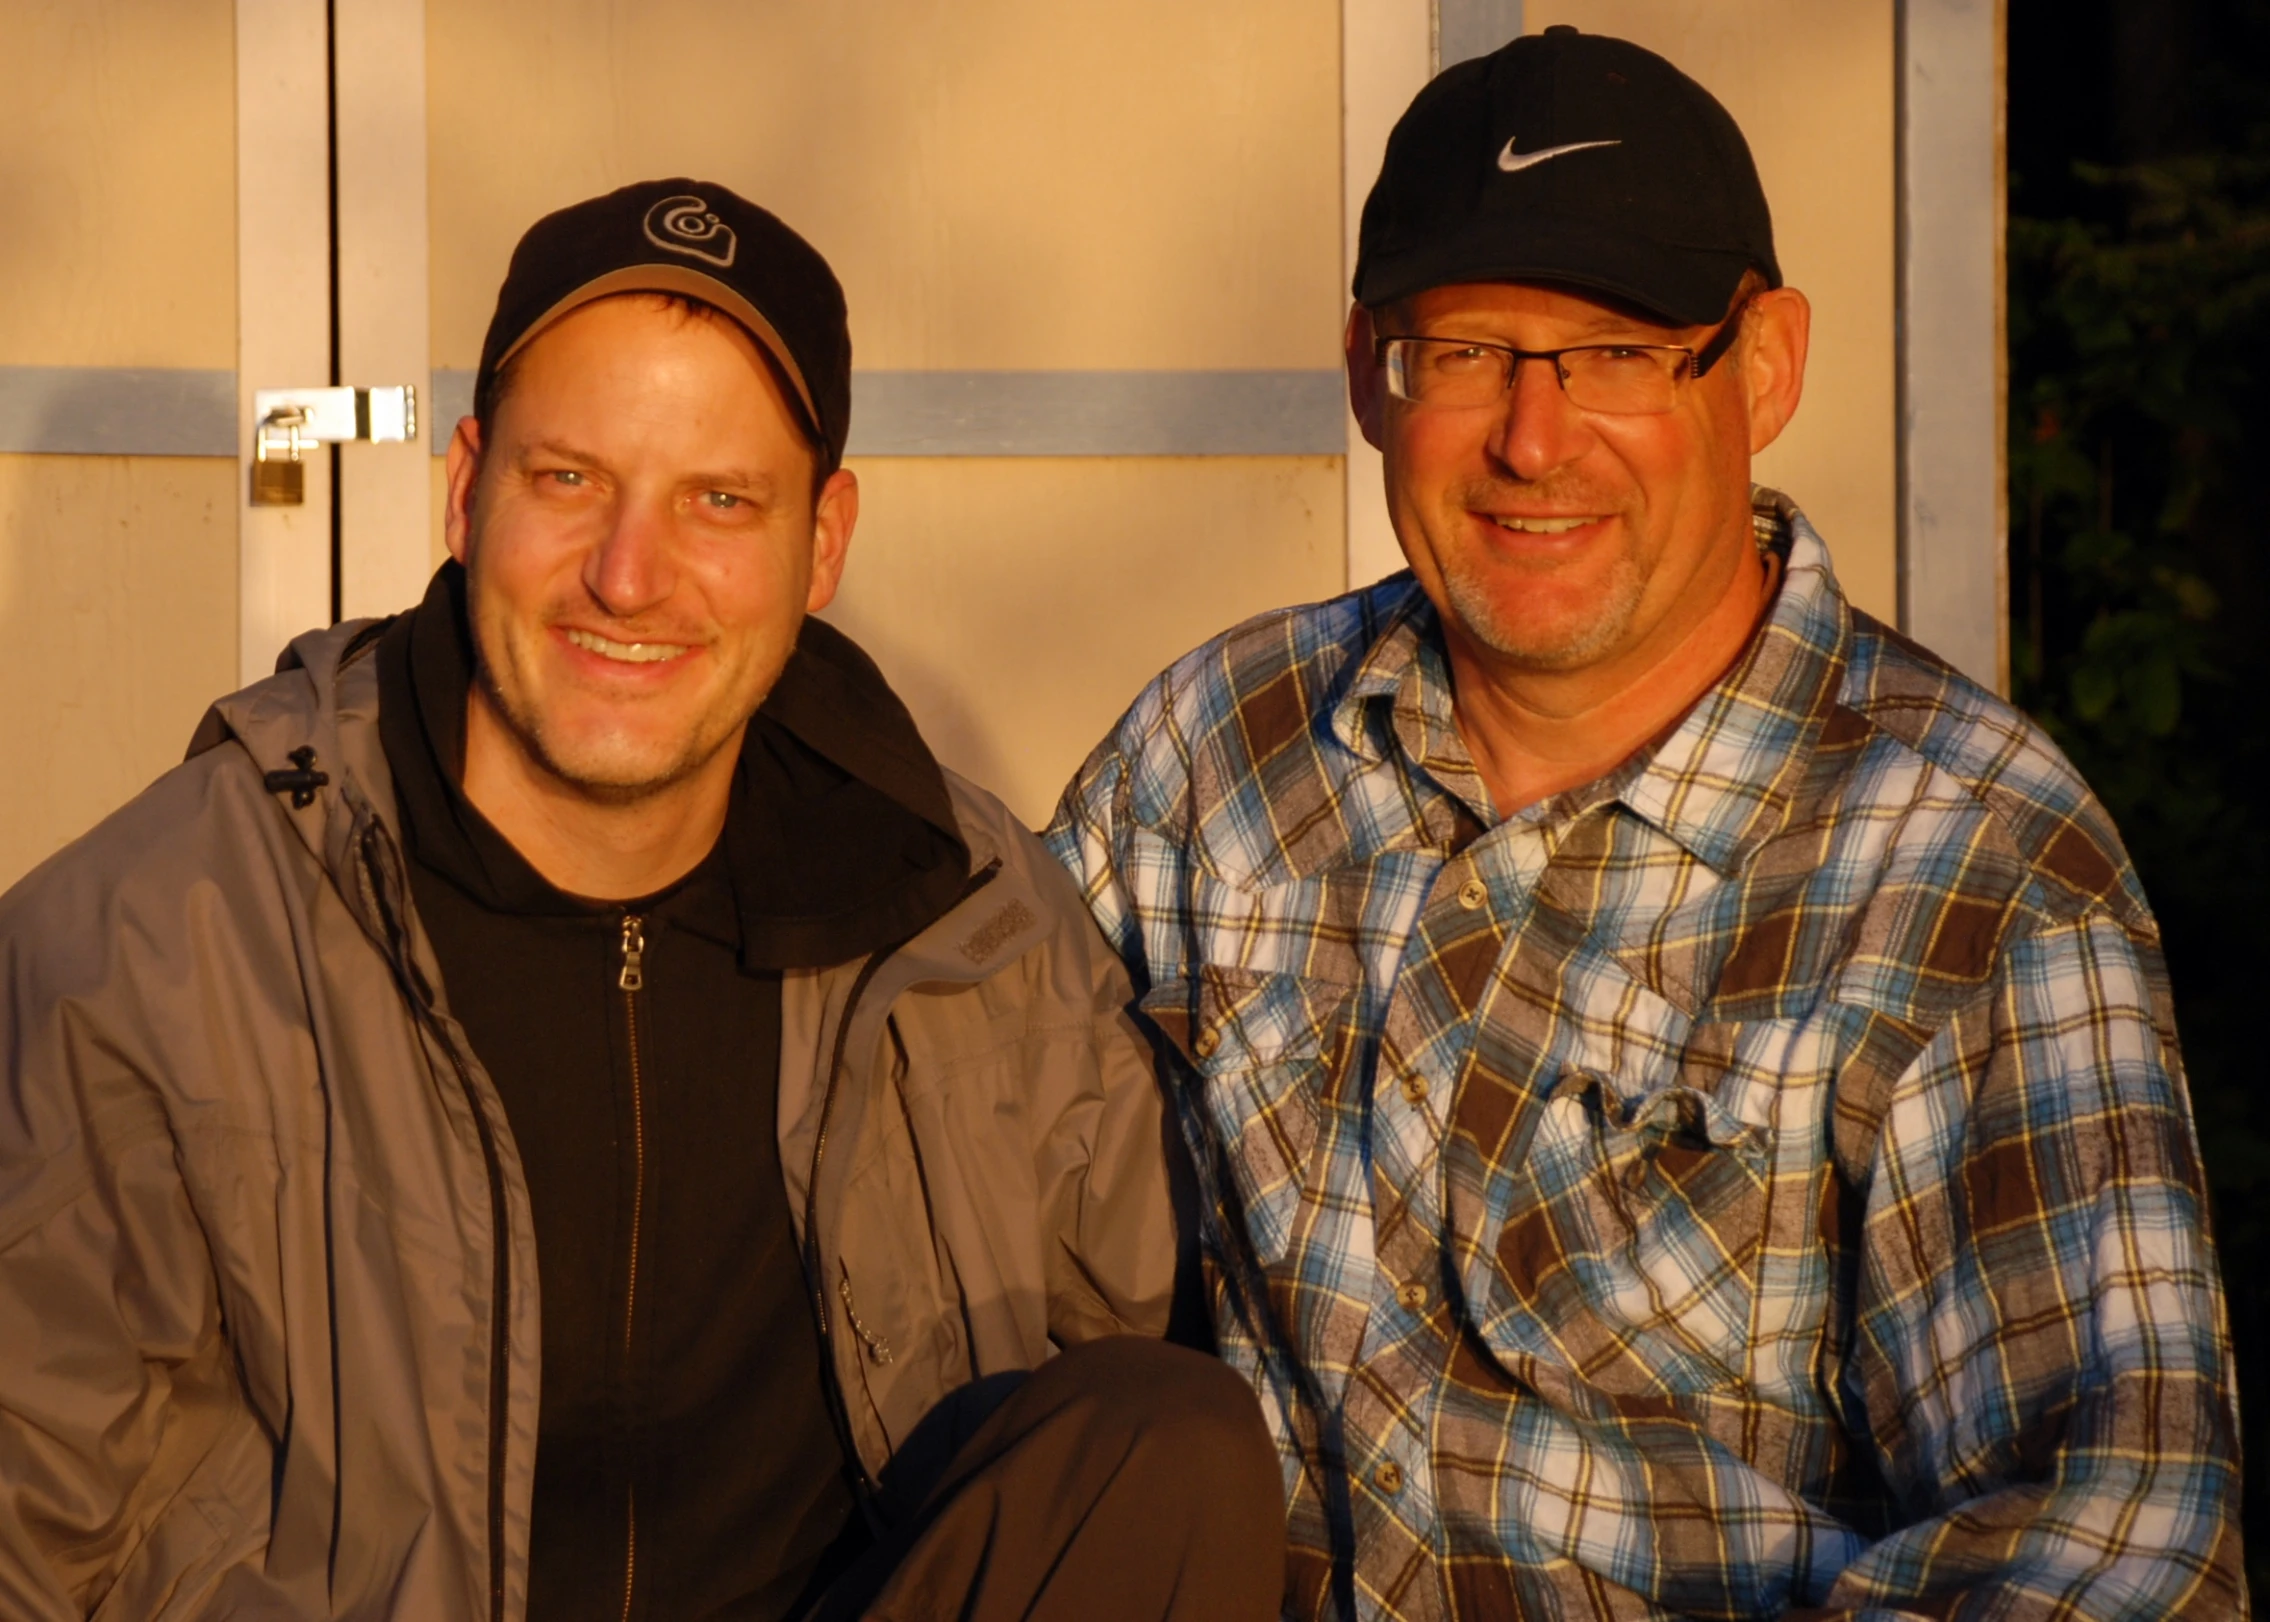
[{"x": 1122, "y": 1479}]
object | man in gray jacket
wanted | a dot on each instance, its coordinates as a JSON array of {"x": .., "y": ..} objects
[{"x": 561, "y": 1107}]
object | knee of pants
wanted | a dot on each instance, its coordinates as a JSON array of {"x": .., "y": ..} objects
[{"x": 1184, "y": 1410}]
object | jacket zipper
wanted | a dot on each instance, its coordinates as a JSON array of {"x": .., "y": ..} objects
[
  {"x": 500, "y": 1351},
  {"x": 500, "y": 1360},
  {"x": 631, "y": 980}
]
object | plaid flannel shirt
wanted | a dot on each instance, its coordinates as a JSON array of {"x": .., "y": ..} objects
[{"x": 1760, "y": 1180}]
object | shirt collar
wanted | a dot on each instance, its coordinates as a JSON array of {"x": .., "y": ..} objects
[
  {"x": 1719, "y": 782},
  {"x": 1722, "y": 782},
  {"x": 1403, "y": 681}
]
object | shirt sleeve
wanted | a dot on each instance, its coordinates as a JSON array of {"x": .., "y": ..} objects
[
  {"x": 2041, "y": 1355},
  {"x": 1090, "y": 831}
]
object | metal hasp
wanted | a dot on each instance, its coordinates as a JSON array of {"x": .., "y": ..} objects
[{"x": 287, "y": 421}]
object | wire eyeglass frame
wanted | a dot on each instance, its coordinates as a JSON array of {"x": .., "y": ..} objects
[{"x": 1394, "y": 353}]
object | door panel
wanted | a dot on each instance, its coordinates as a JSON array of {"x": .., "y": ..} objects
[
  {"x": 117, "y": 629},
  {"x": 117, "y": 573},
  {"x": 1066, "y": 584},
  {"x": 1001, "y": 184},
  {"x": 117, "y": 162}
]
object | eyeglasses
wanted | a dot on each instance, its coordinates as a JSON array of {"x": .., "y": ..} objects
[{"x": 1613, "y": 380}]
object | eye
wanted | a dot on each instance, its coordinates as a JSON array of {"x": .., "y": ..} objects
[
  {"x": 571, "y": 477},
  {"x": 721, "y": 500},
  {"x": 1466, "y": 358}
]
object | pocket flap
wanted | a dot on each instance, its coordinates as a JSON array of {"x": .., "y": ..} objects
[
  {"x": 1232, "y": 1019},
  {"x": 1677, "y": 1116}
]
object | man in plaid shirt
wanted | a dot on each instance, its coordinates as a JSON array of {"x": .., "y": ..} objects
[{"x": 1682, "y": 1081}]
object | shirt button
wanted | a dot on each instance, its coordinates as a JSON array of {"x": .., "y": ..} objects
[
  {"x": 1473, "y": 895},
  {"x": 1413, "y": 1296},
  {"x": 1206, "y": 1043},
  {"x": 1414, "y": 1089},
  {"x": 1388, "y": 1477}
]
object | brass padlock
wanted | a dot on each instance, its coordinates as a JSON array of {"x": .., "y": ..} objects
[
  {"x": 279, "y": 484},
  {"x": 279, "y": 481}
]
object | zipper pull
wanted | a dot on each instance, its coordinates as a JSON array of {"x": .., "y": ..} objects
[
  {"x": 633, "y": 977},
  {"x": 877, "y": 1347}
]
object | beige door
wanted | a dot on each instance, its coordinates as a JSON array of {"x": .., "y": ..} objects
[{"x": 1096, "y": 257}]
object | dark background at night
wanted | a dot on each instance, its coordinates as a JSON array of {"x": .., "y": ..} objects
[{"x": 2139, "y": 142}]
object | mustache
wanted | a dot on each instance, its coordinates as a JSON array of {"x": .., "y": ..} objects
[
  {"x": 1570, "y": 493},
  {"x": 576, "y": 609}
]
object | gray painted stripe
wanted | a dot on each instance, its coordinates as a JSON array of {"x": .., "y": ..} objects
[
  {"x": 451, "y": 399},
  {"x": 1063, "y": 413},
  {"x": 132, "y": 411},
  {"x": 1470, "y": 28},
  {"x": 117, "y": 411},
  {"x": 1097, "y": 414}
]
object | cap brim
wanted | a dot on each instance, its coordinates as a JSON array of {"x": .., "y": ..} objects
[
  {"x": 1689, "y": 287},
  {"x": 693, "y": 284}
]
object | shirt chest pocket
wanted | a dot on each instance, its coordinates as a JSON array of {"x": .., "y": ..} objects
[
  {"x": 1630, "y": 1251},
  {"x": 1261, "y": 1049}
]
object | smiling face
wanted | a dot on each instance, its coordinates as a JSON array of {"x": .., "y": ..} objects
[
  {"x": 642, "y": 542},
  {"x": 1556, "y": 540}
]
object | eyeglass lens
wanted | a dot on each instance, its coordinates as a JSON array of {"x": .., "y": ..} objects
[{"x": 1611, "y": 380}]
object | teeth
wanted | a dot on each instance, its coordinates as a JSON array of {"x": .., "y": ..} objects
[
  {"x": 1542, "y": 526},
  {"x": 629, "y": 653}
]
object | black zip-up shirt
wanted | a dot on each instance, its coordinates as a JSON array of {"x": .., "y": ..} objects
[{"x": 687, "y": 1454}]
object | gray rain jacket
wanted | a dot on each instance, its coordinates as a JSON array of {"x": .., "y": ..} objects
[{"x": 268, "y": 1312}]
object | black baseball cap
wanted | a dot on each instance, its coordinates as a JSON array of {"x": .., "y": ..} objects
[
  {"x": 695, "y": 238},
  {"x": 1575, "y": 159}
]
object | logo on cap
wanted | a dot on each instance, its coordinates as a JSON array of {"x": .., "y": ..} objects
[
  {"x": 1513, "y": 162},
  {"x": 685, "y": 225}
]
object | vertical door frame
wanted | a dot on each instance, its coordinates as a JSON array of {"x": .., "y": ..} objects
[
  {"x": 1386, "y": 56},
  {"x": 384, "y": 281},
  {"x": 1953, "y": 336},
  {"x": 1389, "y": 49},
  {"x": 331, "y": 288},
  {"x": 283, "y": 279}
]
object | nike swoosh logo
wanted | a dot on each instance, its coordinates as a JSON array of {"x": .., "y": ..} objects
[{"x": 1513, "y": 162}]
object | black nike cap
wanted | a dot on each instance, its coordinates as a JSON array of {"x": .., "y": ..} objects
[
  {"x": 702, "y": 241},
  {"x": 1575, "y": 159}
]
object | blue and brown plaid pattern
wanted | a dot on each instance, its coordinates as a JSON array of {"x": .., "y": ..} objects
[{"x": 1758, "y": 1181}]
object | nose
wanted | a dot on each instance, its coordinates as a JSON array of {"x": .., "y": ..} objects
[
  {"x": 631, "y": 569},
  {"x": 1538, "y": 429}
]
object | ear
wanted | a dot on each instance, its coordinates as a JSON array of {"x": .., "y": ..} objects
[
  {"x": 1367, "y": 385},
  {"x": 464, "y": 472},
  {"x": 1773, "y": 361},
  {"x": 835, "y": 515}
]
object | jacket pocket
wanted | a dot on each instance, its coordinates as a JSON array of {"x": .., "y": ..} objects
[
  {"x": 1633, "y": 1242},
  {"x": 1260, "y": 1047},
  {"x": 890, "y": 1298},
  {"x": 210, "y": 1537}
]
